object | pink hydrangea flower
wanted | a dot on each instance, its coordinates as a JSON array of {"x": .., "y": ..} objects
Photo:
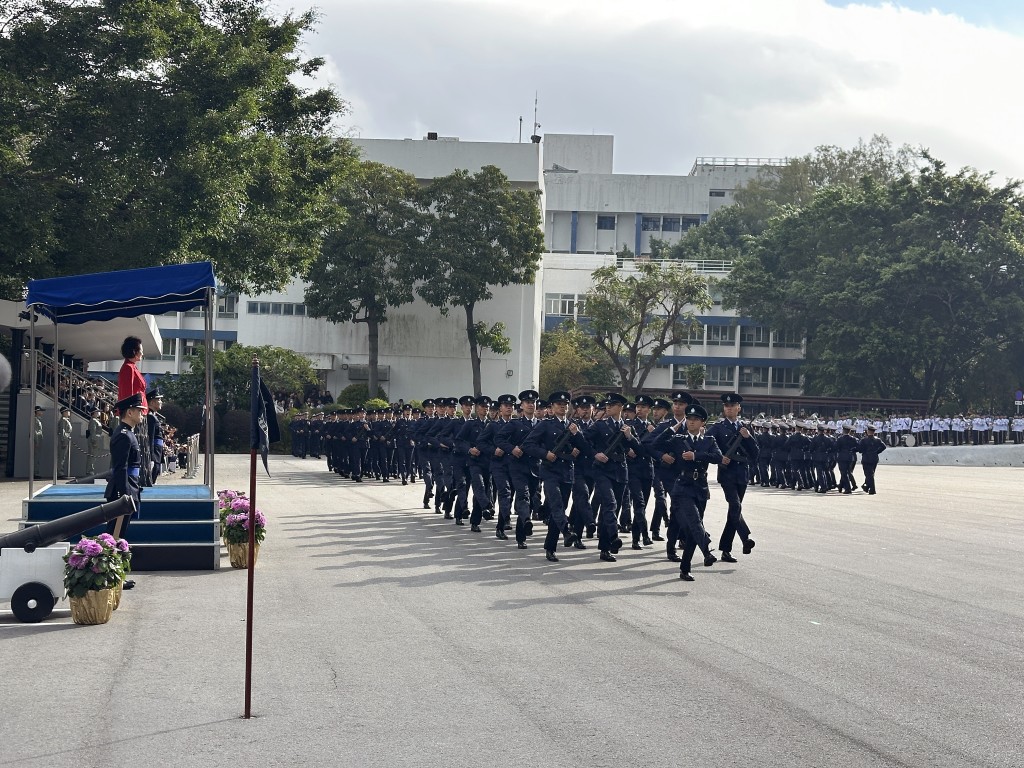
[{"x": 90, "y": 547}]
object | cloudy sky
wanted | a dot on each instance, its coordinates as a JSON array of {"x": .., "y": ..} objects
[{"x": 675, "y": 79}]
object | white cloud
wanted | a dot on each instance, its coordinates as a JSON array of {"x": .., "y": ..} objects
[{"x": 673, "y": 79}]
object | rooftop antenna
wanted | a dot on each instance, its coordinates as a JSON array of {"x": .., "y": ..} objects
[
  {"x": 535, "y": 138},
  {"x": 520, "y": 129}
]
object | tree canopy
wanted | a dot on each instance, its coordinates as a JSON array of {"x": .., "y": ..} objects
[
  {"x": 282, "y": 369},
  {"x": 368, "y": 264},
  {"x": 636, "y": 318},
  {"x": 902, "y": 288},
  {"x": 137, "y": 134},
  {"x": 483, "y": 233},
  {"x": 569, "y": 359}
]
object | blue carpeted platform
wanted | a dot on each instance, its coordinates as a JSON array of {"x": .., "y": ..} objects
[{"x": 177, "y": 527}]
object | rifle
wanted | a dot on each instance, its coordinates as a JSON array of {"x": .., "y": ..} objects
[
  {"x": 613, "y": 446},
  {"x": 560, "y": 443},
  {"x": 734, "y": 446}
]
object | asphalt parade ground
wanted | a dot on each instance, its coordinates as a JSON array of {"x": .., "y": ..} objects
[{"x": 862, "y": 630}]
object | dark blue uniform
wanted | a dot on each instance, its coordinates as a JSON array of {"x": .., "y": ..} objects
[{"x": 733, "y": 478}]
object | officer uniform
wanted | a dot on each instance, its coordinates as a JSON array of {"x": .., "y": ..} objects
[
  {"x": 692, "y": 453},
  {"x": 609, "y": 438},
  {"x": 155, "y": 430},
  {"x": 869, "y": 447},
  {"x": 125, "y": 466},
  {"x": 732, "y": 475}
]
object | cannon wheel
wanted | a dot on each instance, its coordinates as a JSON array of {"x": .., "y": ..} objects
[{"x": 32, "y": 602}]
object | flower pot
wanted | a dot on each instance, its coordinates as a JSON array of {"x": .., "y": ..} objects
[
  {"x": 115, "y": 595},
  {"x": 94, "y": 608},
  {"x": 239, "y": 554}
]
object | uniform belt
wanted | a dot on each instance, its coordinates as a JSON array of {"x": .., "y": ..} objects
[
  {"x": 159, "y": 443},
  {"x": 134, "y": 472}
]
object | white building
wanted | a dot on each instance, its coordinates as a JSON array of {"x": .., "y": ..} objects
[{"x": 589, "y": 214}]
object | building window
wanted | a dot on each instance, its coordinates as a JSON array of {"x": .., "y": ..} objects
[
  {"x": 694, "y": 338},
  {"x": 650, "y": 223},
  {"x": 787, "y": 339},
  {"x": 193, "y": 348},
  {"x": 754, "y": 376},
  {"x": 689, "y": 222},
  {"x": 169, "y": 348},
  {"x": 787, "y": 378},
  {"x": 719, "y": 375},
  {"x": 671, "y": 224},
  {"x": 227, "y": 305},
  {"x": 562, "y": 304},
  {"x": 754, "y": 336},
  {"x": 606, "y": 222},
  {"x": 716, "y": 193},
  {"x": 724, "y": 335},
  {"x": 300, "y": 309}
]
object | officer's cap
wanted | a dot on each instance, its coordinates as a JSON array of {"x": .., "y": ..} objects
[
  {"x": 629, "y": 407},
  {"x": 529, "y": 395},
  {"x": 483, "y": 400},
  {"x": 614, "y": 398},
  {"x": 467, "y": 400},
  {"x": 65, "y": 409},
  {"x": 662, "y": 403},
  {"x": 644, "y": 400},
  {"x": 871, "y": 427},
  {"x": 559, "y": 397},
  {"x": 731, "y": 398},
  {"x": 693, "y": 409},
  {"x": 584, "y": 400},
  {"x": 132, "y": 401},
  {"x": 681, "y": 396},
  {"x": 155, "y": 394},
  {"x": 506, "y": 399}
]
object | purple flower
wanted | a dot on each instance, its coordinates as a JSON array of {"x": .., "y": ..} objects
[
  {"x": 77, "y": 561},
  {"x": 90, "y": 547},
  {"x": 240, "y": 505},
  {"x": 122, "y": 546},
  {"x": 107, "y": 540},
  {"x": 261, "y": 521}
]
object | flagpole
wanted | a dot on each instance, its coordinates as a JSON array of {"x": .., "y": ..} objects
[{"x": 254, "y": 405}]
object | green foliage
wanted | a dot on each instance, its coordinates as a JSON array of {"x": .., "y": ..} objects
[
  {"x": 493, "y": 338},
  {"x": 483, "y": 233},
  {"x": 233, "y": 434},
  {"x": 367, "y": 265},
  {"x": 162, "y": 133},
  {"x": 377, "y": 402},
  {"x": 357, "y": 394},
  {"x": 281, "y": 369},
  {"x": 695, "y": 375},
  {"x": 637, "y": 316},
  {"x": 569, "y": 358},
  {"x": 903, "y": 289}
]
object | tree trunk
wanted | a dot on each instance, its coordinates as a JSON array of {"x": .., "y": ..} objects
[
  {"x": 373, "y": 334},
  {"x": 474, "y": 350}
]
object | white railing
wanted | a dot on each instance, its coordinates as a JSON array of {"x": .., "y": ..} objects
[{"x": 193, "y": 457}]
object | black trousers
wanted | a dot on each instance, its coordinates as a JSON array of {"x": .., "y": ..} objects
[{"x": 734, "y": 522}]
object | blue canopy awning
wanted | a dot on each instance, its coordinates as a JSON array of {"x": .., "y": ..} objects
[{"x": 127, "y": 293}]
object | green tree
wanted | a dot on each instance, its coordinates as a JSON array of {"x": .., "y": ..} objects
[
  {"x": 136, "y": 134},
  {"x": 569, "y": 359},
  {"x": 282, "y": 369},
  {"x": 695, "y": 375},
  {"x": 368, "y": 264},
  {"x": 483, "y": 233},
  {"x": 901, "y": 289},
  {"x": 635, "y": 318}
]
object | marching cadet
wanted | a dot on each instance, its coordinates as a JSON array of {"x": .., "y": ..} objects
[
  {"x": 556, "y": 442},
  {"x": 459, "y": 497},
  {"x": 490, "y": 441},
  {"x": 659, "y": 413},
  {"x": 738, "y": 449},
  {"x": 358, "y": 441},
  {"x": 665, "y": 470},
  {"x": 582, "y": 515},
  {"x": 610, "y": 440},
  {"x": 846, "y": 459},
  {"x": 401, "y": 436},
  {"x": 640, "y": 472},
  {"x": 693, "y": 452},
  {"x": 424, "y": 452},
  {"x": 869, "y": 447},
  {"x": 466, "y": 442},
  {"x": 522, "y": 469},
  {"x": 820, "y": 447},
  {"x": 316, "y": 435},
  {"x": 765, "y": 441}
]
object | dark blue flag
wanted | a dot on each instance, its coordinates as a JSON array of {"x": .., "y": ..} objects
[{"x": 264, "y": 429}]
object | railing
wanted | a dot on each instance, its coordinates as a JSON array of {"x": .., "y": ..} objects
[
  {"x": 697, "y": 265},
  {"x": 193, "y": 457},
  {"x": 736, "y": 162},
  {"x": 77, "y": 391}
]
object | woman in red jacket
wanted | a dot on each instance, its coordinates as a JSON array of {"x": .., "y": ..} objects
[{"x": 129, "y": 378}]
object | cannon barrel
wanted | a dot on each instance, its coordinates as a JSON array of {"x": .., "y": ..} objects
[
  {"x": 88, "y": 479},
  {"x": 45, "y": 534}
]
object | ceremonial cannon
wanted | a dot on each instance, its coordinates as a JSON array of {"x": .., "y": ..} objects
[{"x": 32, "y": 563}]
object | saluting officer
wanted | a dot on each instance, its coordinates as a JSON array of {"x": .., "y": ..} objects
[{"x": 610, "y": 440}]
